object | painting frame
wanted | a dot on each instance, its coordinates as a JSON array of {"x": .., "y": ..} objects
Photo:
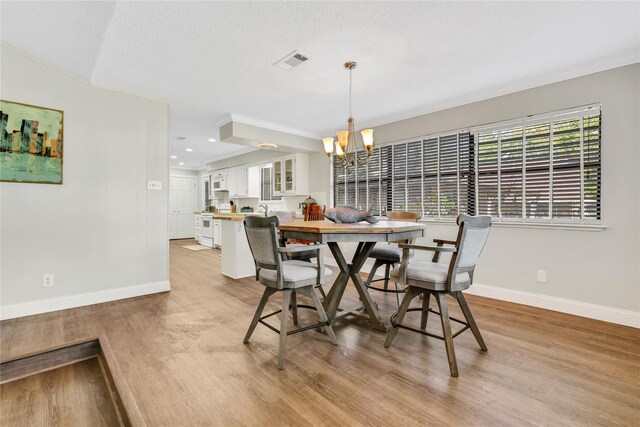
[{"x": 39, "y": 146}]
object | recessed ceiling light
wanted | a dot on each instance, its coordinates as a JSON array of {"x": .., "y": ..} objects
[
  {"x": 181, "y": 138},
  {"x": 174, "y": 157},
  {"x": 181, "y": 164},
  {"x": 212, "y": 140},
  {"x": 268, "y": 146},
  {"x": 189, "y": 149}
]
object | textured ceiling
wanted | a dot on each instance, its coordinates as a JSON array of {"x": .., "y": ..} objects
[{"x": 209, "y": 59}]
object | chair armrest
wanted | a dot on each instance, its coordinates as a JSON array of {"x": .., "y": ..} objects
[
  {"x": 427, "y": 248},
  {"x": 405, "y": 256},
  {"x": 440, "y": 242},
  {"x": 305, "y": 248}
]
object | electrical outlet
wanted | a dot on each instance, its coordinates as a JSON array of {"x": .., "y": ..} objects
[
  {"x": 154, "y": 185},
  {"x": 47, "y": 280},
  {"x": 542, "y": 276}
]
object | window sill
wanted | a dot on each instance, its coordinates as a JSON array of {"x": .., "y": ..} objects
[
  {"x": 531, "y": 225},
  {"x": 550, "y": 226}
]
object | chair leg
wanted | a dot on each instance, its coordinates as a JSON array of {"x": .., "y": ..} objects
[
  {"x": 373, "y": 272},
  {"x": 294, "y": 307},
  {"x": 286, "y": 298},
  {"x": 446, "y": 331},
  {"x": 319, "y": 287},
  {"x": 397, "y": 294},
  {"x": 323, "y": 315},
  {"x": 387, "y": 270},
  {"x": 426, "y": 299},
  {"x": 470, "y": 320},
  {"x": 408, "y": 296},
  {"x": 256, "y": 317}
]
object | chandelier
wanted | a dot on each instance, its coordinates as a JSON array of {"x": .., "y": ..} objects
[{"x": 346, "y": 144}]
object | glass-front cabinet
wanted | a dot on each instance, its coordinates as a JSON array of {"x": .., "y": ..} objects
[
  {"x": 289, "y": 174},
  {"x": 278, "y": 189}
]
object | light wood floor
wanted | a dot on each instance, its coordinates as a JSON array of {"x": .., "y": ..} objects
[
  {"x": 73, "y": 395},
  {"x": 184, "y": 360}
]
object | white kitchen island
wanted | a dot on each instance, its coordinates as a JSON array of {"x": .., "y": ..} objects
[{"x": 237, "y": 261}]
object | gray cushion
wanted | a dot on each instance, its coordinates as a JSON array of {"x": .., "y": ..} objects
[
  {"x": 386, "y": 253},
  {"x": 293, "y": 272},
  {"x": 431, "y": 275}
]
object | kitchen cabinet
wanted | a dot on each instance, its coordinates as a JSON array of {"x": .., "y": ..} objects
[
  {"x": 291, "y": 175},
  {"x": 253, "y": 181},
  {"x": 237, "y": 181},
  {"x": 198, "y": 226},
  {"x": 217, "y": 233},
  {"x": 237, "y": 261}
]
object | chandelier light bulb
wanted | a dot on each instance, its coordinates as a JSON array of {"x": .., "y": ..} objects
[
  {"x": 343, "y": 138},
  {"x": 367, "y": 138},
  {"x": 328, "y": 145}
]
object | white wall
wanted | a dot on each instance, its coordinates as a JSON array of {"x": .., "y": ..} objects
[
  {"x": 102, "y": 233},
  {"x": 594, "y": 274}
]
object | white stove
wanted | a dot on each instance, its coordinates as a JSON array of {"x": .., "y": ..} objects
[{"x": 206, "y": 230}]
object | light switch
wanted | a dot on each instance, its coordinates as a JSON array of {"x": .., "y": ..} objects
[{"x": 154, "y": 185}]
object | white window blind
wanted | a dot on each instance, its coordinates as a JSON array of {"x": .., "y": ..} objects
[
  {"x": 543, "y": 168},
  {"x": 266, "y": 186},
  {"x": 408, "y": 176}
]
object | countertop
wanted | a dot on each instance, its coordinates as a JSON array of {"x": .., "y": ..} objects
[{"x": 238, "y": 216}]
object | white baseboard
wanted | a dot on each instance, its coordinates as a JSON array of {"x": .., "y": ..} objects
[
  {"x": 54, "y": 304},
  {"x": 578, "y": 308}
]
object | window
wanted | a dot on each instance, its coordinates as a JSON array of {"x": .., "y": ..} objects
[
  {"x": 543, "y": 168},
  {"x": 431, "y": 176},
  {"x": 266, "y": 186}
]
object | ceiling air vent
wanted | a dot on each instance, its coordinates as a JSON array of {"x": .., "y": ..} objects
[{"x": 290, "y": 61}]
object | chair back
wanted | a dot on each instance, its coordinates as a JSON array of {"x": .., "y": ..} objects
[
  {"x": 473, "y": 232},
  {"x": 262, "y": 238},
  {"x": 314, "y": 213},
  {"x": 403, "y": 216}
]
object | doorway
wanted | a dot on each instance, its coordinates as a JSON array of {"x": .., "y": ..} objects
[{"x": 182, "y": 204}]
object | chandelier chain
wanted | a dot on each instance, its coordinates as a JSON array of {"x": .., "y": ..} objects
[{"x": 350, "y": 83}]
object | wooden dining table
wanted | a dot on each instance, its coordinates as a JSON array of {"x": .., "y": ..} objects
[{"x": 366, "y": 235}]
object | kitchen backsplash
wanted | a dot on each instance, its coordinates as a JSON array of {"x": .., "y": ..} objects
[{"x": 288, "y": 203}]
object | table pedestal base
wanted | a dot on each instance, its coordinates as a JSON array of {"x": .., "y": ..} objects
[{"x": 368, "y": 310}]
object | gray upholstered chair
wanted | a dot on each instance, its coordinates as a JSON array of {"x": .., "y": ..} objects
[
  {"x": 287, "y": 276},
  {"x": 388, "y": 255},
  {"x": 432, "y": 278}
]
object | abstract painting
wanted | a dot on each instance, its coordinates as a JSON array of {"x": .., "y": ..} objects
[{"x": 30, "y": 143}]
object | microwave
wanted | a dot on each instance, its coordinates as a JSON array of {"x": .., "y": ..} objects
[{"x": 219, "y": 183}]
